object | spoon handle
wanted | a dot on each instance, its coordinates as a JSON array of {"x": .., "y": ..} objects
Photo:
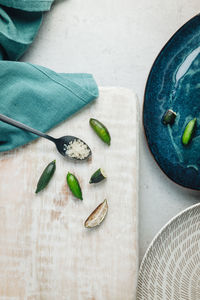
[{"x": 17, "y": 124}]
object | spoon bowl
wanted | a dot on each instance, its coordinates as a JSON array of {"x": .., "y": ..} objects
[
  {"x": 69, "y": 146},
  {"x": 64, "y": 142}
]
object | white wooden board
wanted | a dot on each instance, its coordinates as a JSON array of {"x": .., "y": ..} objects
[{"x": 45, "y": 251}]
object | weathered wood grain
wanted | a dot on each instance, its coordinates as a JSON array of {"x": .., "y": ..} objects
[{"x": 45, "y": 251}]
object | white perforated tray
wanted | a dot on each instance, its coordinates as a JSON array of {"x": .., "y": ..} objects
[{"x": 171, "y": 266}]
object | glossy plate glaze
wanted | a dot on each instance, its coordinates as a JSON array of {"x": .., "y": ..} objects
[{"x": 174, "y": 83}]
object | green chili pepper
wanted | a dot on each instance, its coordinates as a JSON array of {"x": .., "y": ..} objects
[
  {"x": 46, "y": 176},
  {"x": 100, "y": 130},
  {"x": 98, "y": 176},
  {"x": 169, "y": 117},
  {"x": 189, "y": 132},
  {"x": 74, "y": 186}
]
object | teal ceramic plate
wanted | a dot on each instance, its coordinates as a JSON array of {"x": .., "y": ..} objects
[{"x": 174, "y": 83}]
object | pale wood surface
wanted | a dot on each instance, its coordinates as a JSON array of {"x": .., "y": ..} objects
[{"x": 45, "y": 251}]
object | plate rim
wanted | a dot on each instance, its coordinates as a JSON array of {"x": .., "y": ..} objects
[
  {"x": 144, "y": 96},
  {"x": 163, "y": 228}
]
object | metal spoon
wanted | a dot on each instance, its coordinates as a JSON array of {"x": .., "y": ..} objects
[{"x": 61, "y": 143}]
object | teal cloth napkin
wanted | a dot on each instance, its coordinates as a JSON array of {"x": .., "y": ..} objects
[
  {"x": 32, "y": 94},
  {"x": 28, "y": 5}
]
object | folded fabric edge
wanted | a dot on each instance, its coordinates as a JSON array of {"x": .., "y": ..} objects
[
  {"x": 91, "y": 86},
  {"x": 7, "y": 146},
  {"x": 21, "y": 45},
  {"x": 31, "y": 6},
  {"x": 81, "y": 85},
  {"x": 79, "y": 91}
]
